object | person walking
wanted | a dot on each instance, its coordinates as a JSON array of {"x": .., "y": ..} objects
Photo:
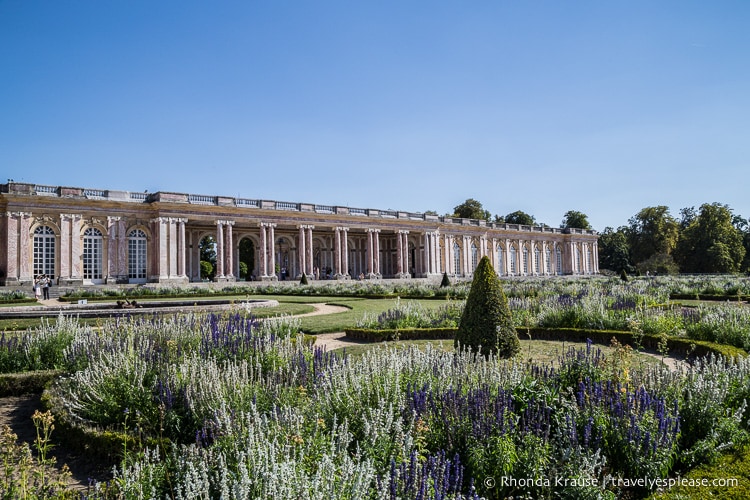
[{"x": 37, "y": 287}]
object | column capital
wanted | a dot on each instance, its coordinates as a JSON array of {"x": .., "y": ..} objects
[
  {"x": 113, "y": 218},
  {"x": 70, "y": 216},
  {"x": 403, "y": 231},
  {"x": 371, "y": 230},
  {"x": 18, "y": 214},
  {"x": 342, "y": 229},
  {"x": 222, "y": 222},
  {"x": 160, "y": 220},
  {"x": 266, "y": 224}
]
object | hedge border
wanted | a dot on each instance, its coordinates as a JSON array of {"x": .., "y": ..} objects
[{"x": 675, "y": 345}]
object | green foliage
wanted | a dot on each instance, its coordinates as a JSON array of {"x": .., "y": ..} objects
[
  {"x": 445, "y": 282},
  {"x": 471, "y": 209},
  {"x": 711, "y": 243},
  {"x": 520, "y": 217},
  {"x": 575, "y": 219},
  {"x": 303, "y": 280},
  {"x": 652, "y": 231},
  {"x": 486, "y": 324},
  {"x": 614, "y": 252},
  {"x": 207, "y": 270}
]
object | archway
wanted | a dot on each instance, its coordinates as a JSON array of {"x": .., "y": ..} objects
[{"x": 247, "y": 259}]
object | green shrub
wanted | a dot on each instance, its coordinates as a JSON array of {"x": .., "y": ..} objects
[
  {"x": 445, "y": 282},
  {"x": 486, "y": 324}
]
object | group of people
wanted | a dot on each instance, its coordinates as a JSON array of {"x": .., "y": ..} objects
[{"x": 41, "y": 286}]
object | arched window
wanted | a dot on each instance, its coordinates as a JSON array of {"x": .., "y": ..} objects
[
  {"x": 537, "y": 260},
  {"x": 456, "y": 258},
  {"x": 474, "y": 256},
  {"x": 558, "y": 260},
  {"x": 525, "y": 260},
  {"x": 500, "y": 269},
  {"x": 137, "y": 256},
  {"x": 513, "y": 260},
  {"x": 92, "y": 254},
  {"x": 44, "y": 251}
]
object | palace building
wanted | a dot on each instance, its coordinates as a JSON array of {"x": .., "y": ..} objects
[{"x": 90, "y": 236}]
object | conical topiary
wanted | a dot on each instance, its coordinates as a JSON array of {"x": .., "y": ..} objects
[
  {"x": 486, "y": 324},
  {"x": 446, "y": 282},
  {"x": 303, "y": 279}
]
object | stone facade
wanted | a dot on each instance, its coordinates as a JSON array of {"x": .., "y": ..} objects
[{"x": 87, "y": 236}]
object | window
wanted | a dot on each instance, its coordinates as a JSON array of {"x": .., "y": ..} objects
[
  {"x": 474, "y": 255},
  {"x": 500, "y": 269},
  {"x": 548, "y": 261},
  {"x": 44, "y": 251},
  {"x": 537, "y": 260},
  {"x": 92, "y": 254},
  {"x": 513, "y": 259},
  {"x": 137, "y": 256},
  {"x": 525, "y": 260},
  {"x": 558, "y": 260}
]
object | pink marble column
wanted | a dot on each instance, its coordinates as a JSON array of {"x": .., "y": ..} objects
[
  {"x": 399, "y": 254},
  {"x": 405, "y": 252},
  {"x": 181, "y": 248},
  {"x": 11, "y": 235},
  {"x": 426, "y": 255},
  {"x": 345, "y": 251},
  {"x": 337, "y": 252},
  {"x": 76, "y": 240},
  {"x": 301, "y": 251},
  {"x": 229, "y": 250},
  {"x": 376, "y": 243},
  {"x": 219, "y": 249},
  {"x": 309, "y": 257},
  {"x": 263, "y": 251},
  {"x": 25, "y": 249},
  {"x": 448, "y": 241},
  {"x": 272, "y": 249},
  {"x": 370, "y": 253},
  {"x": 122, "y": 248}
]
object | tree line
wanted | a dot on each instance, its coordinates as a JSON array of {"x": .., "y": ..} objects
[{"x": 709, "y": 239}]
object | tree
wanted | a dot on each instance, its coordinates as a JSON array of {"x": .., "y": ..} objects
[
  {"x": 445, "y": 282},
  {"x": 519, "y": 217},
  {"x": 207, "y": 248},
  {"x": 711, "y": 243},
  {"x": 614, "y": 252},
  {"x": 486, "y": 324},
  {"x": 207, "y": 270},
  {"x": 651, "y": 231},
  {"x": 575, "y": 219},
  {"x": 471, "y": 209}
]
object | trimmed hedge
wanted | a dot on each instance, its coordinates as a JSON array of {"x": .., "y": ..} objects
[
  {"x": 372, "y": 335},
  {"x": 675, "y": 345},
  {"x": 708, "y": 297},
  {"x": 17, "y": 384}
]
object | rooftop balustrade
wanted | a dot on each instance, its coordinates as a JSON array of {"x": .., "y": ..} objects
[{"x": 24, "y": 189}]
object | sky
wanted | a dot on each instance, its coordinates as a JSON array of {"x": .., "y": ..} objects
[{"x": 603, "y": 107}]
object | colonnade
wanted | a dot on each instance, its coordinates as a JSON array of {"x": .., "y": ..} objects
[{"x": 125, "y": 247}]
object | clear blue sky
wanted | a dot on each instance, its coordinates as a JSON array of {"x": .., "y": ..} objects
[{"x": 605, "y": 107}]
